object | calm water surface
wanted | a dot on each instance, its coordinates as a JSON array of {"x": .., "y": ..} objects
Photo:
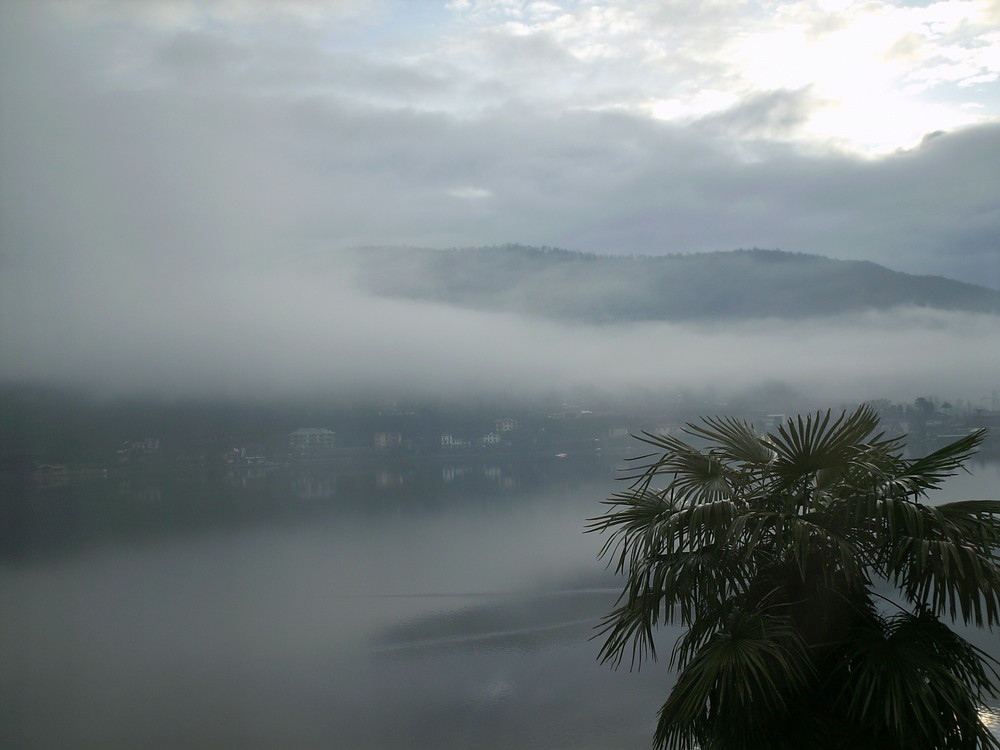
[{"x": 438, "y": 606}]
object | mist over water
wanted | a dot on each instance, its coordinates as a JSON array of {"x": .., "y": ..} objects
[
  {"x": 321, "y": 610},
  {"x": 419, "y": 617},
  {"x": 179, "y": 183}
]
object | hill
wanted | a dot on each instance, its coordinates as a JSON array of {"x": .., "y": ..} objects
[{"x": 565, "y": 285}]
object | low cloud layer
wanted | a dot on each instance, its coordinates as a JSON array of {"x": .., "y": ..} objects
[
  {"x": 281, "y": 334},
  {"x": 162, "y": 169}
]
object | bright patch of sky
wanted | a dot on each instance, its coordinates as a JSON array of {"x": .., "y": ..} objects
[
  {"x": 469, "y": 192},
  {"x": 875, "y": 76},
  {"x": 878, "y": 75}
]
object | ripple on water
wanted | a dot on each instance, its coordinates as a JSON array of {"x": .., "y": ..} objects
[{"x": 991, "y": 718}]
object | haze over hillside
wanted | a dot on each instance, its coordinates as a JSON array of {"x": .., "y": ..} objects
[
  {"x": 589, "y": 288},
  {"x": 508, "y": 320}
]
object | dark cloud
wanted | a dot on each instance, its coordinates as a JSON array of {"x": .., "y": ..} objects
[{"x": 766, "y": 115}]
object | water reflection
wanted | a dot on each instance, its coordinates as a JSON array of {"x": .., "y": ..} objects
[
  {"x": 384, "y": 606},
  {"x": 312, "y": 486},
  {"x": 498, "y": 621},
  {"x": 991, "y": 718},
  {"x": 385, "y": 478}
]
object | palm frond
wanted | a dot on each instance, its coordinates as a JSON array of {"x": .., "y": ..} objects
[
  {"x": 734, "y": 440},
  {"x": 914, "y": 677},
  {"x": 804, "y": 446},
  {"x": 949, "y": 578},
  {"x": 977, "y": 522},
  {"x": 944, "y": 557},
  {"x": 628, "y": 628},
  {"x": 635, "y": 524},
  {"x": 768, "y": 549},
  {"x": 754, "y": 659},
  {"x": 695, "y": 476},
  {"x": 927, "y": 473}
]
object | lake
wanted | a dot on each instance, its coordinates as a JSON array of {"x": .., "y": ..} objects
[{"x": 437, "y": 605}]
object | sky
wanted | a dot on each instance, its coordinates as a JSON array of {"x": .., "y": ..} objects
[{"x": 163, "y": 164}]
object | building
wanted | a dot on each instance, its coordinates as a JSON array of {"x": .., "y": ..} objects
[
  {"x": 450, "y": 441},
  {"x": 388, "y": 439},
  {"x": 137, "y": 451},
  {"x": 246, "y": 455},
  {"x": 506, "y": 425},
  {"x": 313, "y": 442}
]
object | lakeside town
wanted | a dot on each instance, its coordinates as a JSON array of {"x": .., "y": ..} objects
[{"x": 242, "y": 440}]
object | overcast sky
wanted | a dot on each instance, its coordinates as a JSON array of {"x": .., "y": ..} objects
[{"x": 172, "y": 155}]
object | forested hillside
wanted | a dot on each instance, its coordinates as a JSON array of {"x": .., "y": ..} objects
[{"x": 592, "y": 288}]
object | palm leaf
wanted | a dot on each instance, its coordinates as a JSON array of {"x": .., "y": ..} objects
[
  {"x": 754, "y": 659},
  {"x": 734, "y": 440},
  {"x": 914, "y": 677},
  {"x": 942, "y": 556},
  {"x": 804, "y": 446},
  {"x": 768, "y": 549},
  {"x": 920, "y": 475}
]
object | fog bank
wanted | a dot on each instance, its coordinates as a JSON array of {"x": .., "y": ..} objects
[{"x": 276, "y": 333}]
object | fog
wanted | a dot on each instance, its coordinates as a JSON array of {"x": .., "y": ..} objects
[
  {"x": 184, "y": 187},
  {"x": 161, "y": 171},
  {"x": 274, "y": 333},
  {"x": 440, "y": 611},
  {"x": 384, "y": 620}
]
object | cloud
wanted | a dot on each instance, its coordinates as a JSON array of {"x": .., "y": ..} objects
[
  {"x": 468, "y": 192},
  {"x": 161, "y": 169},
  {"x": 769, "y": 114},
  {"x": 201, "y": 177},
  {"x": 284, "y": 332}
]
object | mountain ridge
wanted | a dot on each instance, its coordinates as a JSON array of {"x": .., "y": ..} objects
[{"x": 587, "y": 287}]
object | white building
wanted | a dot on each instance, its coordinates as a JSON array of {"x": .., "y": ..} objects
[
  {"x": 311, "y": 441},
  {"x": 450, "y": 441}
]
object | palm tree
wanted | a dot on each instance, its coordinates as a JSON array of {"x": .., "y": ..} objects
[{"x": 815, "y": 585}]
